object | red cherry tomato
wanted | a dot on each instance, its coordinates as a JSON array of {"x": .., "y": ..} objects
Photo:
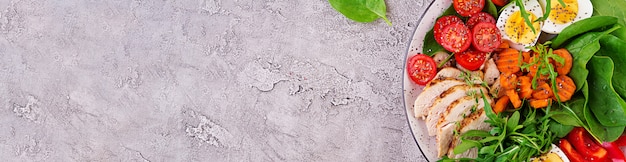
[
  {"x": 468, "y": 7},
  {"x": 470, "y": 60},
  {"x": 441, "y": 23},
  {"x": 456, "y": 37},
  {"x": 500, "y": 2},
  {"x": 486, "y": 37},
  {"x": 421, "y": 69},
  {"x": 478, "y": 18}
]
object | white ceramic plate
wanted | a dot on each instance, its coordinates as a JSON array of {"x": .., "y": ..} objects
[{"x": 411, "y": 90}]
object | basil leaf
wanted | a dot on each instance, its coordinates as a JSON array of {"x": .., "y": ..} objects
[{"x": 361, "y": 10}]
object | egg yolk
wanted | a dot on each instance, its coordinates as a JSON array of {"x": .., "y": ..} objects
[
  {"x": 550, "y": 157},
  {"x": 516, "y": 28},
  {"x": 562, "y": 15}
]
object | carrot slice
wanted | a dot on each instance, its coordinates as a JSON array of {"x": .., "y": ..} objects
[
  {"x": 540, "y": 103},
  {"x": 508, "y": 61},
  {"x": 543, "y": 91},
  {"x": 563, "y": 69},
  {"x": 525, "y": 87},
  {"x": 517, "y": 103},
  {"x": 508, "y": 81},
  {"x": 501, "y": 104},
  {"x": 565, "y": 87}
]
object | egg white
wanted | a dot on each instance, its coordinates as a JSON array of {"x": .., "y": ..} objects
[
  {"x": 533, "y": 7},
  {"x": 585, "y": 9}
]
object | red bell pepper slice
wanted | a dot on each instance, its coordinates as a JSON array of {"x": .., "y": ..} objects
[
  {"x": 586, "y": 146},
  {"x": 569, "y": 151},
  {"x": 615, "y": 153},
  {"x": 621, "y": 141}
]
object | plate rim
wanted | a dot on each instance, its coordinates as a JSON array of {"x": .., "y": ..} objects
[{"x": 404, "y": 78}]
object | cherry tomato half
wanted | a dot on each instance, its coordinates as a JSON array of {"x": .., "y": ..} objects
[
  {"x": 468, "y": 7},
  {"x": 500, "y": 2},
  {"x": 486, "y": 37},
  {"x": 421, "y": 69},
  {"x": 470, "y": 60},
  {"x": 441, "y": 23},
  {"x": 478, "y": 18},
  {"x": 456, "y": 37}
]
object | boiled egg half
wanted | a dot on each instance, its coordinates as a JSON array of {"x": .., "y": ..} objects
[
  {"x": 561, "y": 17},
  {"x": 554, "y": 155},
  {"x": 513, "y": 26}
]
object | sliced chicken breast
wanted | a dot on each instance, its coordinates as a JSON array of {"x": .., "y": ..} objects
[
  {"x": 491, "y": 72},
  {"x": 444, "y": 138},
  {"x": 476, "y": 121},
  {"x": 451, "y": 72},
  {"x": 444, "y": 100},
  {"x": 460, "y": 109},
  {"x": 430, "y": 93}
]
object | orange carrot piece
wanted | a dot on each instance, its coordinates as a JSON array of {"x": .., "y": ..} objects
[
  {"x": 508, "y": 81},
  {"x": 501, "y": 104},
  {"x": 565, "y": 87},
  {"x": 508, "y": 61},
  {"x": 517, "y": 103},
  {"x": 525, "y": 87},
  {"x": 543, "y": 91},
  {"x": 566, "y": 67},
  {"x": 540, "y": 103}
]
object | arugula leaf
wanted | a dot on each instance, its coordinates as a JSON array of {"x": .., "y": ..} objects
[{"x": 361, "y": 10}]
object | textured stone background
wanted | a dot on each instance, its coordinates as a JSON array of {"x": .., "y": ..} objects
[{"x": 223, "y": 80}]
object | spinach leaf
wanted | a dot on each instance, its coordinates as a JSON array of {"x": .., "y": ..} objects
[
  {"x": 491, "y": 9},
  {"x": 582, "y": 48},
  {"x": 599, "y": 131},
  {"x": 581, "y": 27},
  {"x": 613, "y": 47},
  {"x": 604, "y": 102},
  {"x": 560, "y": 130},
  {"x": 613, "y": 8},
  {"x": 430, "y": 45},
  {"x": 361, "y": 10}
]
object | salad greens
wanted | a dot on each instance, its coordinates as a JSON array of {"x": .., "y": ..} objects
[
  {"x": 607, "y": 106},
  {"x": 524, "y": 134},
  {"x": 613, "y": 8},
  {"x": 581, "y": 27},
  {"x": 361, "y": 10},
  {"x": 613, "y": 47}
]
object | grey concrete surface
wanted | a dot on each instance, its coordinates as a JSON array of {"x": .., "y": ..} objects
[{"x": 202, "y": 80}]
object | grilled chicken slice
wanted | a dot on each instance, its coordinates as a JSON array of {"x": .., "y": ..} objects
[
  {"x": 451, "y": 72},
  {"x": 444, "y": 100},
  {"x": 476, "y": 121},
  {"x": 491, "y": 72},
  {"x": 445, "y": 136},
  {"x": 427, "y": 97},
  {"x": 460, "y": 109}
]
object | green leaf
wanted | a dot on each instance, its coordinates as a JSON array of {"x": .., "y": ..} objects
[
  {"x": 560, "y": 130},
  {"x": 491, "y": 8},
  {"x": 513, "y": 121},
  {"x": 604, "y": 102},
  {"x": 430, "y": 45},
  {"x": 582, "y": 48},
  {"x": 466, "y": 145},
  {"x": 476, "y": 133},
  {"x": 613, "y": 8},
  {"x": 361, "y": 10},
  {"x": 580, "y": 27},
  {"x": 613, "y": 47}
]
